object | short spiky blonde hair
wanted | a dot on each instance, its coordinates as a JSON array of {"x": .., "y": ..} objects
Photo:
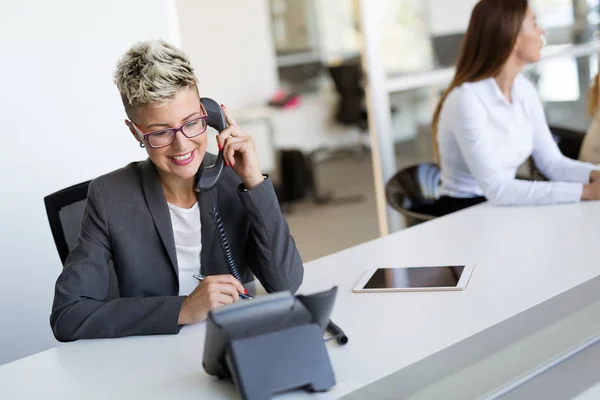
[{"x": 151, "y": 72}]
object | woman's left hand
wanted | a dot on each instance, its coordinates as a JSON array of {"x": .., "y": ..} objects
[
  {"x": 239, "y": 152},
  {"x": 595, "y": 176}
]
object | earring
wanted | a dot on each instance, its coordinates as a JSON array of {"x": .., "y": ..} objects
[{"x": 142, "y": 145}]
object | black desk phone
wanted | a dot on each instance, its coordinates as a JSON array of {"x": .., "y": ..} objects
[{"x": 290, "y": 350}]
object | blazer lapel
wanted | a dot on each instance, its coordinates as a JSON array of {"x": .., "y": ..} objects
[{"x": 157, "y": 203}]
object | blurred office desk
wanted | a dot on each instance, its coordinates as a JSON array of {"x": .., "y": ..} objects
[
  {"x": 532, "y": 298},
  {"x": 310, "y": 126}
]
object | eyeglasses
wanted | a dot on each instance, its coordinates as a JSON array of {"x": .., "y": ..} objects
[{"x": 164, "y": 137}]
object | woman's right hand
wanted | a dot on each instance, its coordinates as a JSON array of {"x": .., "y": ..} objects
[
  {"x": 214, "y": 291},
  {"x": 591, "y": 191}
]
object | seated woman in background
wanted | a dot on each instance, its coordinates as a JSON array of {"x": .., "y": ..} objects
[
  {"x": 148, "y": 219},
  {"x": 490, "y": 120},
  {"x": 590, "y": 148}
]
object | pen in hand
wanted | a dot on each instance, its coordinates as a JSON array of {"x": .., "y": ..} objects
[{"x": 243, "y": 296}]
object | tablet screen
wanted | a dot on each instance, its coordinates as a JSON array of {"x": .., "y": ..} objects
[{"x": 415, "y": 277}]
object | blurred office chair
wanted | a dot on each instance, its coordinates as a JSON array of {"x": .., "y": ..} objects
[
  {"x": 348, "y": 80},
  {"x": 413, "y": 192},
  {"x": 65, "y": 210}
]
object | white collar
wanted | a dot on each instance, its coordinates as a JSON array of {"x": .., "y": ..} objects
[{"x": 490, "y": 91}]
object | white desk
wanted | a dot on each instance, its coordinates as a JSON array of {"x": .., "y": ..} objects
[{"x": 552, "y": 249}]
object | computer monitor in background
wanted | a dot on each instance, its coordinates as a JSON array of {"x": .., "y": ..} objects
[{"x": 446, "y": 49}]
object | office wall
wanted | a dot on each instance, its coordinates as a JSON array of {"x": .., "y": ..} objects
[
  {"x": 448, "y": 17},
  {"x": 61, "y": 123},
  {"x": 230, "y": 45}
]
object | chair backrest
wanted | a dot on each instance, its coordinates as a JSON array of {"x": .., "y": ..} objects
[
  {"x": 414, "y": 190},
  {"x": 65, "y": 210},
  {"x": 348, "y": 78}
]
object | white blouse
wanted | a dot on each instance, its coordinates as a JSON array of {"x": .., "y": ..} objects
[{"x": 483, "y": 139}]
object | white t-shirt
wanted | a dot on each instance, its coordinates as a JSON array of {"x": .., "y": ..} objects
[
  {"x": 483, "y": 139},
  {"x": 188, "y": 244}
]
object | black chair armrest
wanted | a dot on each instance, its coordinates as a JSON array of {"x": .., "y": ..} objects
[{"x": 569, "y": 140}]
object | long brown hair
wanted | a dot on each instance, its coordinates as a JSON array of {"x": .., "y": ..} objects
[
  {"x": 486, "y": 46},
  {"x": 594, "y": 96}
]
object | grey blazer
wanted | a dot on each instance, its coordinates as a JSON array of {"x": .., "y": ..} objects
[{"x": 127, "y": 221}]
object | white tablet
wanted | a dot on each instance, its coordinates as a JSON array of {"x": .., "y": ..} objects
[{"x": 415, "y": 279}]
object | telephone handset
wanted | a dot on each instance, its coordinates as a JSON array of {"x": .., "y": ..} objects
[
  {"x": 209, "y": 177},
  {"x": 216, "y": 119}
]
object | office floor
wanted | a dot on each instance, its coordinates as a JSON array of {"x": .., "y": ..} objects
[{"x": 320, "y": 230}]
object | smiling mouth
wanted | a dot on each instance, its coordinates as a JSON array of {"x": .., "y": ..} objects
[{"x": 183, "y": 157}]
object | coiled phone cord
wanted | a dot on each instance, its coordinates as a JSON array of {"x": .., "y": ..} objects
[
  {"x": 338, "y": 334},
  {"x": 222, "y": 236}
]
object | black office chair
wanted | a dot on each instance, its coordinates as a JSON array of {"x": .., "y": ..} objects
[
  {"x": 65, "y": 210},
  {"x": 413, "y": 192},
  {"x": 569, "y": 141},
  {"x": 348, "y": 81}
]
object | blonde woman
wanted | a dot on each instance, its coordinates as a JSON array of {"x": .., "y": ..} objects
[
  {"x": 590, "y": 148},
  {"x": 148, "y": 219}
]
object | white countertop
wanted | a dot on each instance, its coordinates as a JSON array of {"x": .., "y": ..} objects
[{"x": 523, "y": 256}]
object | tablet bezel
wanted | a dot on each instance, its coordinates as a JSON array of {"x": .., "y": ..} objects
[{"x": 461, "y": 285}]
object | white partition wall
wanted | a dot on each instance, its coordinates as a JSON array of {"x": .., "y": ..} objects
[
  {"x": 230, "y": 45},
  {"x": 62, "y": 123},
  {"x": 446, "y": 18}
]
